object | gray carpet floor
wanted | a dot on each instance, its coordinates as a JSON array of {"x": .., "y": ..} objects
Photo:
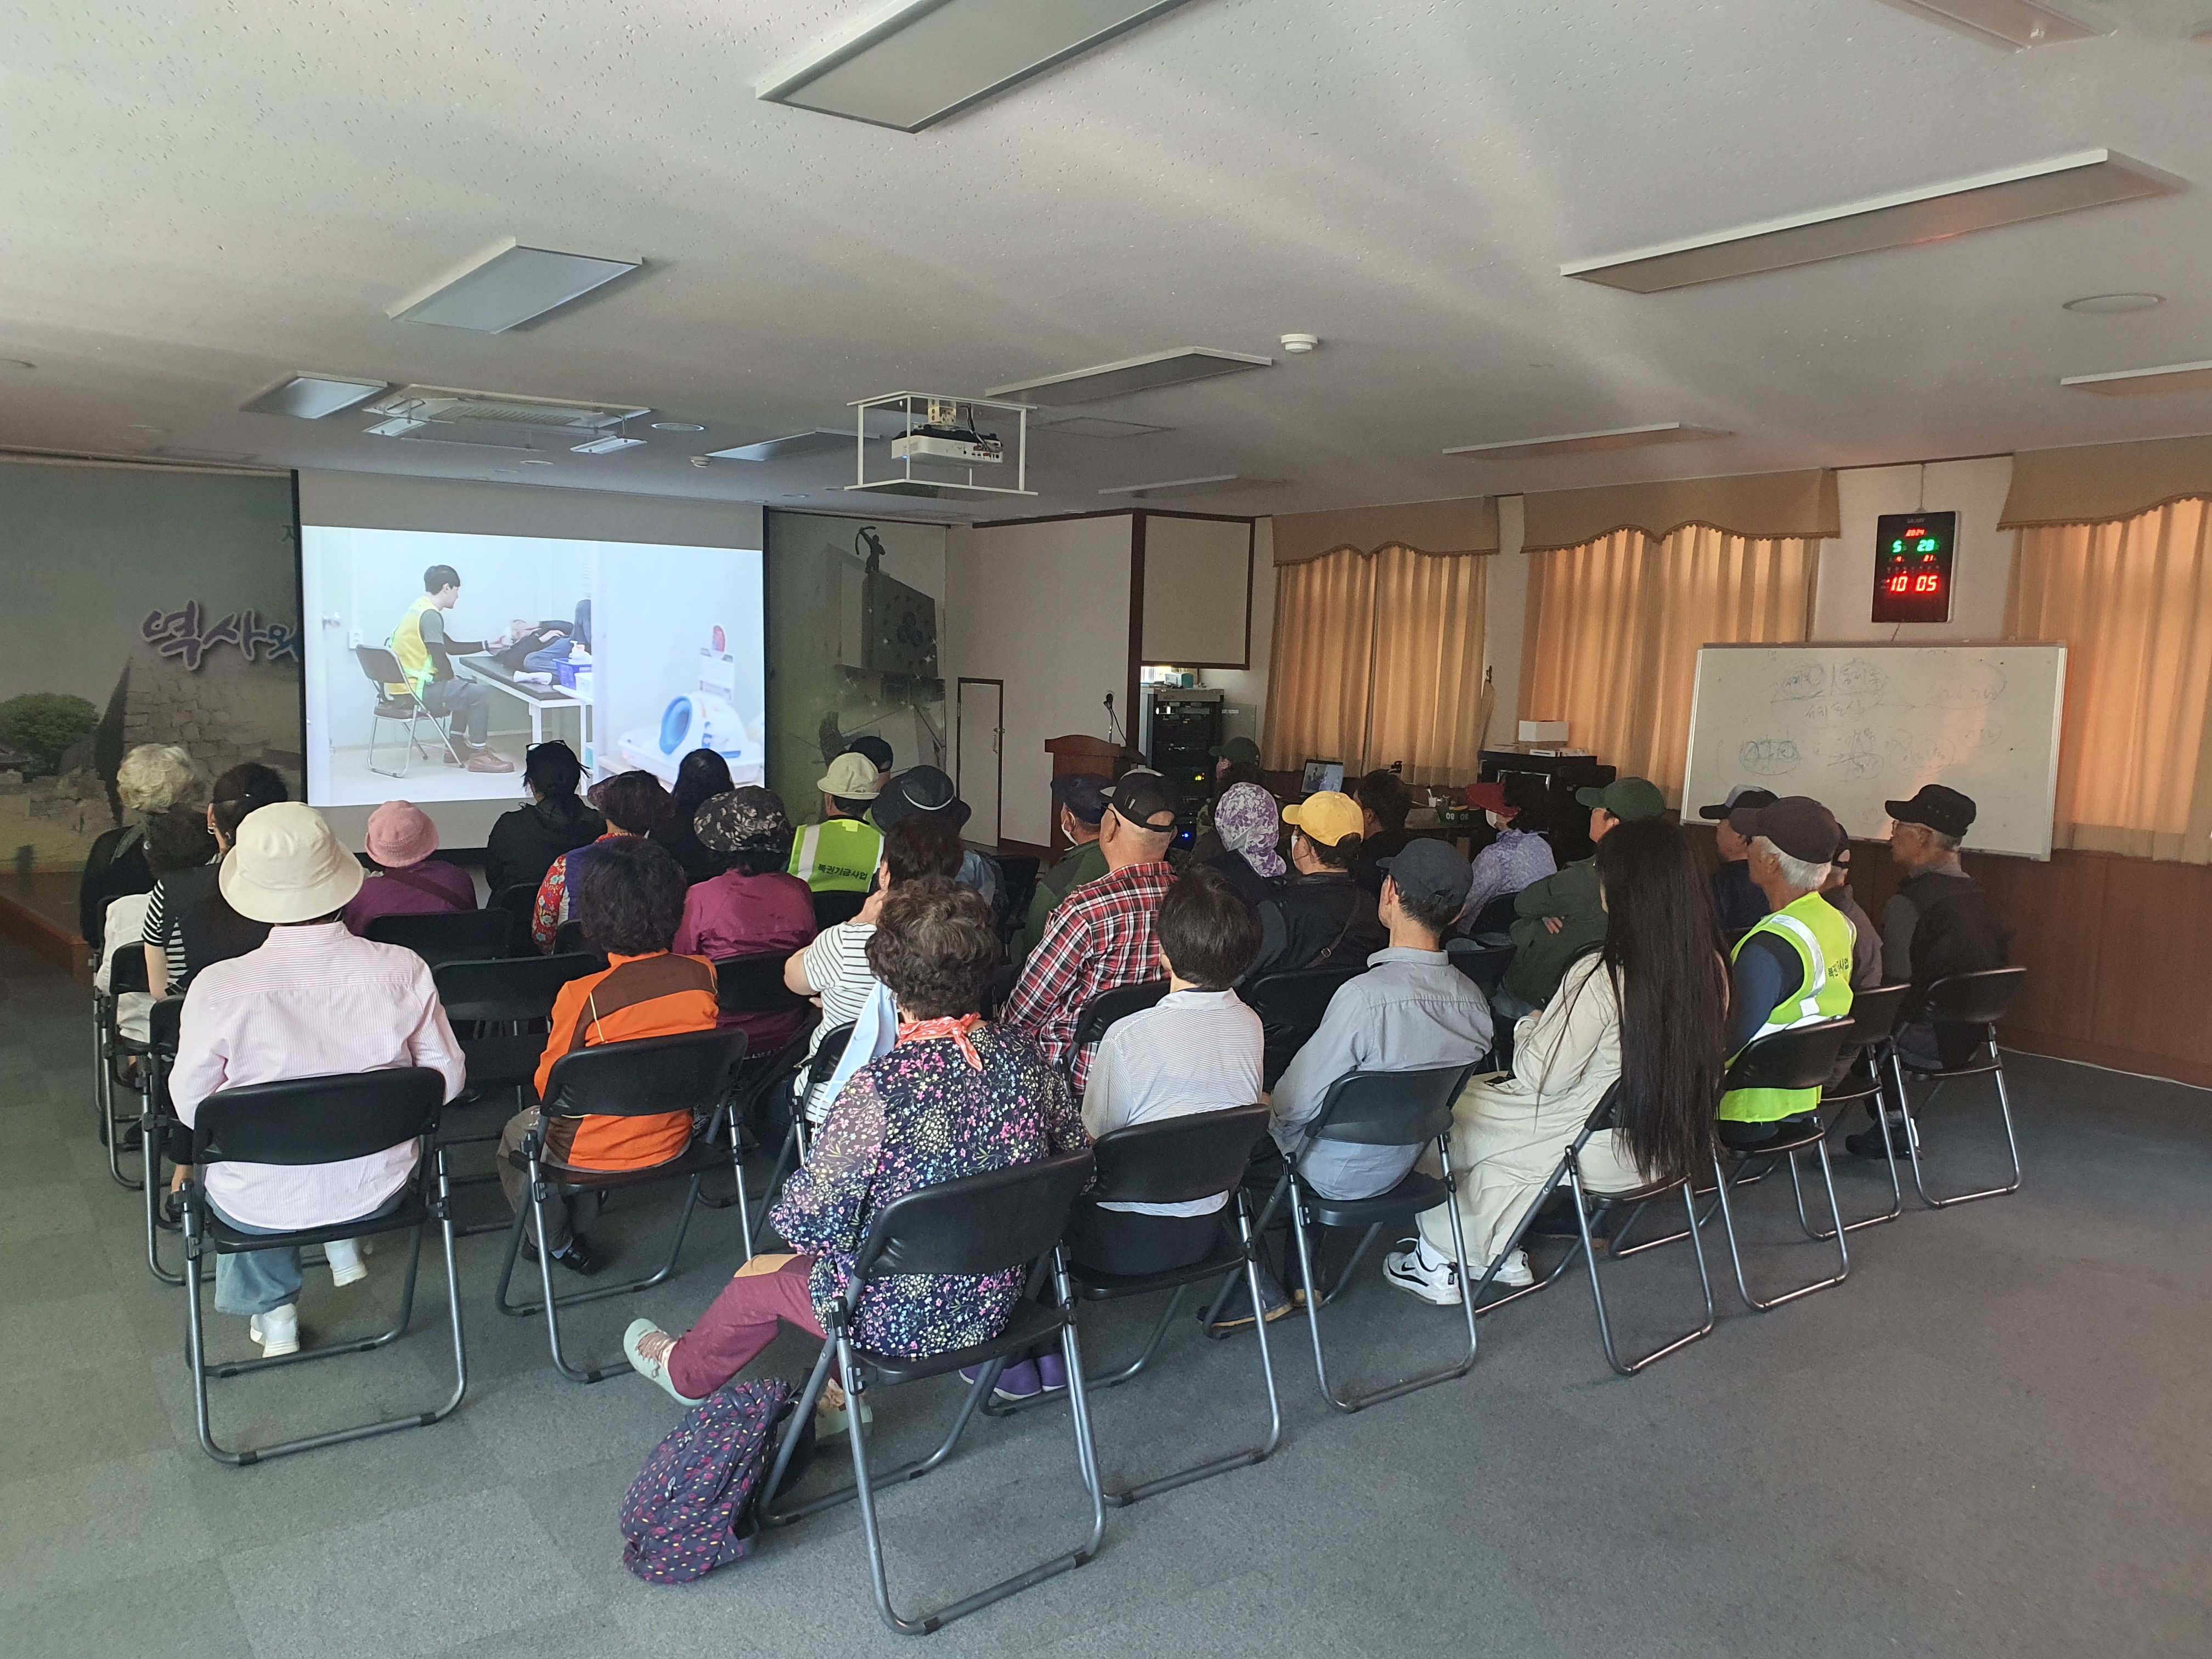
[{"x": 1991, "y": 1440}]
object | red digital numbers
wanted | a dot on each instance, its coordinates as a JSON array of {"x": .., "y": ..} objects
[
  {"x": 1899, "y": 584},
  {"x": 1927, "y": 584}
]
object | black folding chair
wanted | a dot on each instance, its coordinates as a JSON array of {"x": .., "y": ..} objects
[
  {"x": 456, "y": 936},
  {"x": 641, "y": 1078},
  {"x": 1484, "y": 964},
  {"x": 836, "y": 906},
  {"x": 1874, "y": 1027},
  {"x": 754, "y": 985},
  {"x": 300, "y": 1123},
  {"x": 798, "y": 1135},
  {"x": 1376, "y": 1109},
  {"x": 979, "y": 1224},
  {"x": 519, "y": 900},
  {"x": 1174, "y": 1161},
  {"x": 1979, "y": 999},
  {"x": 158, "y": 1127},
  {"x": 1108, "y": 1008},
  {"x": 1020, "y": 871},
  {"x": 568, "y": 938},
  {"x": 126, "y": 973},
  {"x": 383, "y": 671},
  {"x": 1291, "y": 1006}
]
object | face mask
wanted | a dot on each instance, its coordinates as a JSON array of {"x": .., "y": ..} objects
[{"x": 1496, "y": 822}]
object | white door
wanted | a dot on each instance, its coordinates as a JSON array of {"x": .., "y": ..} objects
[{"x": 980, "y": 732}]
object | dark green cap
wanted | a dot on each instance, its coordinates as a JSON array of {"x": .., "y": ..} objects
[{"x": 1626, "y": 799}]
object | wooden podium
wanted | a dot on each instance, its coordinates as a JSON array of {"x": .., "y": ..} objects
[{"x": 1072, "y": 755}]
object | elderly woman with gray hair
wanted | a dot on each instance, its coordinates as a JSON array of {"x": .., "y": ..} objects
[{"x": 153, "y": 778}]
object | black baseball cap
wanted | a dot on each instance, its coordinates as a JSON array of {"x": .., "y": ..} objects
[
  {"x": 1426, "y": 868},
  {"x": 1946, "y": 811},
  {"x": 1798, "y": 824},
  {"x": 1083, "y": 793},
  {"x": 875, "y": 749},
  {"x": 1742, "y": 795},
  {"x": 1140, "y": 797}
]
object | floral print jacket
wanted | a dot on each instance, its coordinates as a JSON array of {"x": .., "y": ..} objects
[{"x": 920, "y": 1115}]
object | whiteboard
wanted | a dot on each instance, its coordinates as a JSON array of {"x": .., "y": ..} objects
[{"x": 1853, "y": 726}]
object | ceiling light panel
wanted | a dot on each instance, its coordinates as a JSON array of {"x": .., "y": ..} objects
[
  {"x": 2013, "y": 25},
  {"x": 1583, "y": 443},
  {"x": 1118, "y": 379},
  {"x": 2143, "y": 382},
  {"x": 509, "y": 286},
  {"x": 450, "y": 404},
  {"x": 2092, "y": 178},
  {"x": 311, "y": 396},
  {"x": 933, "y": 58}
]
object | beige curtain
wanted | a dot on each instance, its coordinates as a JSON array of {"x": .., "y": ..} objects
[
  {"x": 1616, "y": 625},
  {"x": 1379, "y": 659},
  {"x": 2132, "y": 599}
]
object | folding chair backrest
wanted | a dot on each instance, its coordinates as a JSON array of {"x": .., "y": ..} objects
[
  {"x": 1486, "y": 964},
  {"x": 507, "y": 988},
  {"x": 836, "y": 906},
  {"x": 1802, "y": 1057},
  {"x": 569, "y": 936},
  {"x": 1389, "y": 1109},
  {"x": 1979, "y": 998},
  {"x": 162, "y": 1022},
  {"x": 519, "y": 900},
  {"x": 1174, "y": 1160},
  {"x": 382, "y": 669},
  {"x": 644, "y": 1076},
  {"x": 1102, "y": 1011},
  {"x": 1020, "y": 870},
  {"x": 977, "y": 1224},
  {"x": 1874, "y": 1013},
  {"x": 318, "y": 1120},
  {"x": 455, "y": 936},
  {"x": 827, "y": 1054},
  {"x": 754, "y": 985},
  {"x": 1291, "y": 1006},
  {"x": 126, "y": 970}
]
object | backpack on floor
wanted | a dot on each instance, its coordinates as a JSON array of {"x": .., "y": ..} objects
[{"x": 692, "y": 1507}]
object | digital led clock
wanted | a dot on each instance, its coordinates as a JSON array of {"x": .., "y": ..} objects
[{"x": 1912, "y": 567}]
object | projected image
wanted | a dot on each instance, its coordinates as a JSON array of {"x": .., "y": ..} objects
[{"x": 434, "y": 661}]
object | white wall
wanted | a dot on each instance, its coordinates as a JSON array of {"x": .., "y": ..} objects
[
  {"x": 1198, "y": 579},
  {"x": 1505, "y": 623},
  {"x": 1045, "y": 608},
  {"x": 1244, "y": 709},
  {"x": 1981, "y": 569}
]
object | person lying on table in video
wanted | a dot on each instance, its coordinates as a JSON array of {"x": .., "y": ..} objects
[
  {"x": 535, "y": 651},
  {"x": 426, "y": 653}
]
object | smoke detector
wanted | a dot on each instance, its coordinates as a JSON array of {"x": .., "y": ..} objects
[{"x": 1298, "y": 344}]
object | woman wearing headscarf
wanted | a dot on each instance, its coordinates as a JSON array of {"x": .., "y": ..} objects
[{"x": 1249, "y": 826}]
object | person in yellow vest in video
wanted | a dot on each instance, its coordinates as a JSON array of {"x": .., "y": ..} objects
[
  {"x": 1794, "y": 968},
  {"x": 425, "y": 654},
  {"x": 840, "y": 854}
]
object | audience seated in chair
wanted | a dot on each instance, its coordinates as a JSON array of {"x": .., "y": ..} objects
[
  {"x": 1521, "y": 856},
  {"x": 1104, "y": 934},
  {"x": 1795, "y": 967},
  {"x": 753, "y": 908},
  {"x": 1078, "y": 800},
  {"x": 833, "y": 969},
  {"x": 1411, "y": 1010},
  {"x": 1557, "y": 919},
  {"x": 311, "y": 1001},
  {"x": 630, "y": 907},
  {"x": 1736, "y": 899},
  {"x": 407, "y": 881},
  {"x": 524, "y": 843},
  {"x": 633, "y": 803},
  {"x": 1384, "y": 802},
  {"x": 957, "y": 1095},
  {"x": 154, "y": 778},
  {"x": 1320, "y": 914},
  {"x": 840, "y": 854},
  {"x": 173, "y": 840},
  {"x": 1247, "y": 824},
  {"x": 1646, "y": 1008},
  {"x": 700, "y": 777},
  {"x": 189, "y": 922},
  {"x": 926, "y": 789}
]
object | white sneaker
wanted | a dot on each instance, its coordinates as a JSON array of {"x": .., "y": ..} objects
[
  {"x": 1514, "y": 1273},
  {"x": 1422, "y": 1273},
  {"x": 344, "y": 1256},
  {"x": 276, "y": 1332}
]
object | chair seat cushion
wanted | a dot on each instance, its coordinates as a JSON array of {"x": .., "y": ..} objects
[
  {"x": 228, "y": 1241},
  {"x": 697, "y": 1158},
  {"x": 1032, "y": 1323},
  {"x": 1416, "y": 1193},
  {"x": 1095, "y": 1285},
  {"x": 1787, "y": 1141}
]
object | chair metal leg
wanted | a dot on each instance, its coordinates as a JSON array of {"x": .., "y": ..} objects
[
  {"x": 1912, "y": 1143},
  {"x": 149, "y": 1132},
  {"x": 1838, "y": 1236},
  {"x": 1889, "y": 1153},
  {"x": 1630, "y": 1368}
]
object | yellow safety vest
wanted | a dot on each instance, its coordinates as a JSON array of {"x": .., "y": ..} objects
[
  {"x": 837, "y": 856},
  {"x": 414, "y": 656},
  {"x": 1821, "y": 935}
]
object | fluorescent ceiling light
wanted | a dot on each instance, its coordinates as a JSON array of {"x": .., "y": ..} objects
[
  {"x": 2015, "y": 25},
  {"x": 2089, "y": 177},
  {"x": 816, "y": 440},
  {"x": 508, "y": 286},
  {"x": 606, "y": 446},
  {"x": 1145, "y": 374},
  {"x": 398, "y": 427},
  {"x": 311, "y": 396},
  {"x": 2140, "y": 382},
  {"x": 927, "y": 59},
  {"x": 1094, "y": 426},
  {"x": 2112, "y": 305},
  {"x": 1166, "y": 484},
  {"x": 1583, "y": 443},
  {"x": 451, "y": 405}
]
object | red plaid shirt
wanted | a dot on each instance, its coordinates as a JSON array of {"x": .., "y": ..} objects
[{"x": 1103, "y": 935}]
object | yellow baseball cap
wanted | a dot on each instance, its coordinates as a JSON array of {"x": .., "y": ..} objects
[{"x": 1327, "y": 818}]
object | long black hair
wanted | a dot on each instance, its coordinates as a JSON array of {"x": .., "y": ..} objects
[
  {"x": 552, "y": 771},
  {"x": 702, "y": 775},
  {"x": 1662, "y": 948}
]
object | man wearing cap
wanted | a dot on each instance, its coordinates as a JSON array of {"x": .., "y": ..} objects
[
  {"x": 1736, "y": 898},
  {"x": 1080, "y": 799},
  {"x": 313, "y": 999},
  {"x": 1557, "y": 919},
  {"x": 926, "y": 789},
  {"x": 407, "y": 881},
  {"x": 1794, "y": 967},
  {"x": 839, "y": 853},
  {"x": 1103, "y": 935},
  {"x": 1941, "y": 922},
  {"x": 1321, "y": 915},
  {"x": 879, "y": 755},
  {"x": 1518, "y": 858}
]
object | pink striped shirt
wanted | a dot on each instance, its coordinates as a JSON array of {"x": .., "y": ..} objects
[{"x": 311, "y": 1001}]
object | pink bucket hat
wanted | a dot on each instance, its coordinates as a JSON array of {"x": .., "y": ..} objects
[{"x": 400, "y": 833}]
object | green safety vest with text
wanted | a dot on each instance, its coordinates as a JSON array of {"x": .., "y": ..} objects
[
  {"x": 837, "y": 856},
  {"x": 1822, "y": 937}
]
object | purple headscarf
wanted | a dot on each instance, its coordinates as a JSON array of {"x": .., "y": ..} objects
[{"x": 1246, "y": 820}]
